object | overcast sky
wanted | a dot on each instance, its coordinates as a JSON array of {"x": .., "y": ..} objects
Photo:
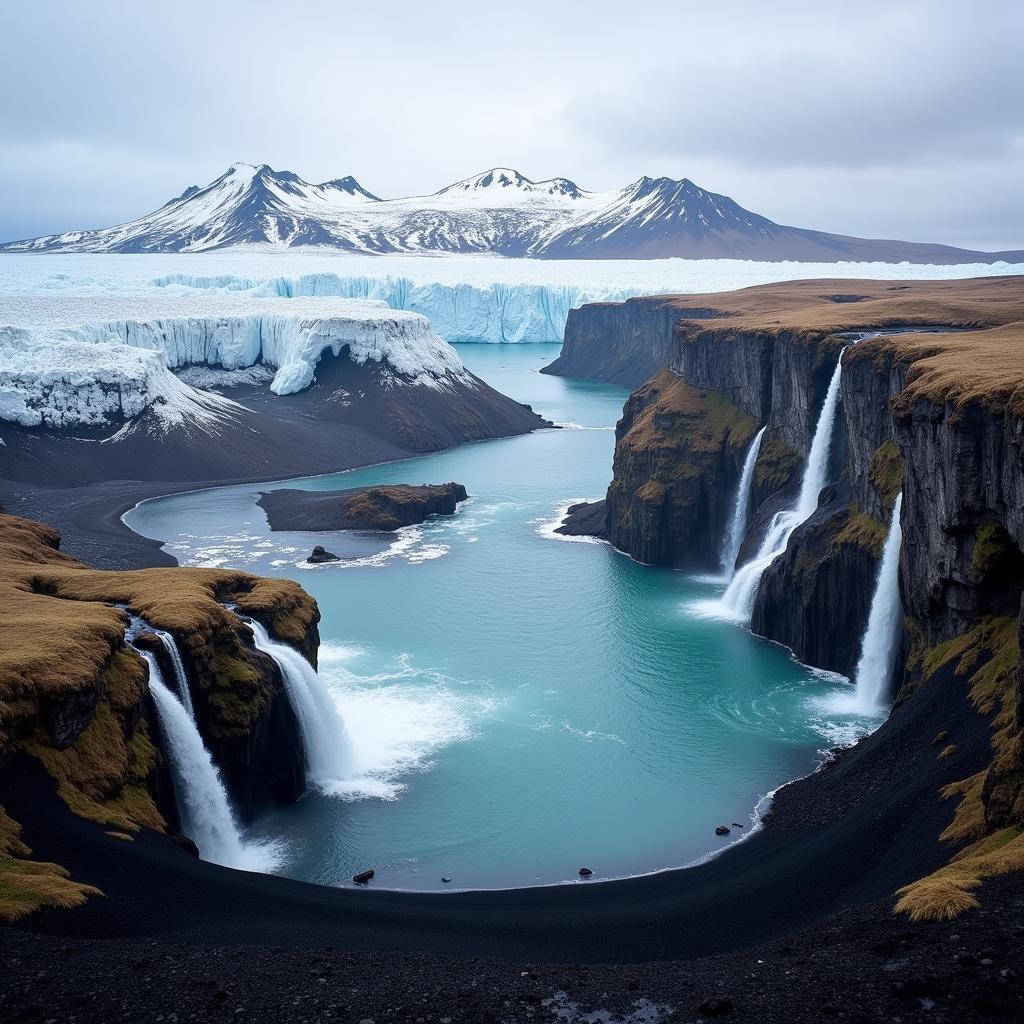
[{"x": 885, "y": 119}]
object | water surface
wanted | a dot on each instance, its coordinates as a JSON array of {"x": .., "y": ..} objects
[{"x": 520, "y": 706}]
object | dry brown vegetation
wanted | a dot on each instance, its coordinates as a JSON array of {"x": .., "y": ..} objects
[
  {"x": 28, "y": 885},
  {"x": 990, "y": 814},
  {"x": 62, "y": 655},
  {"x": 984, "y": 362}
]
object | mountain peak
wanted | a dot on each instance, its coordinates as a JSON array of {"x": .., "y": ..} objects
[
  {"x": 506, "y": 182},
  {"x": 498, "y": 211}
]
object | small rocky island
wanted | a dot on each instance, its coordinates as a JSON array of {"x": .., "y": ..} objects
[{"x": 385, "y": 508}]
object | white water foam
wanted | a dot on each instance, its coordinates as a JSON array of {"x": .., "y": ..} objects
[
  {"x": 180, "y": 675},
  {"x": 202, "y": 800},
  {"x": 737, "y": 603},
  {"x": 881, "y": 636},
  {"x": 397, "y": 719},
  {"x": 328, "y": 746},
  {"x": 741, "y": 508},
  {"x": 547, "y": 528}
]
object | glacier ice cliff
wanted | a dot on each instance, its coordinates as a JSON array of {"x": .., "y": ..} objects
[
  {"x": 64, "y": 366},
  {"x": 496, "y": 312}
]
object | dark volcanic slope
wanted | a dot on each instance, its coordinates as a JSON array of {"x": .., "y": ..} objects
[
  {"x": 83, "y": 484},
  {"x": 384, "y": 507}
]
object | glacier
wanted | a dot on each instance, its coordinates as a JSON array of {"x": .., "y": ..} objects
[
  {"x": 62, "y": 364},
  {"x": 89, "y": 339},
  {"x": 496, "y": 313},
  {"x": 466, "y": 298}
]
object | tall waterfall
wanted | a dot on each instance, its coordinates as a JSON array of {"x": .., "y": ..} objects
[
  {"x": 328, "y": 747},
  {"x": 202, "y": 800},
  {"x": 180, "y": 675},
  {"x": 738, "y": 599},
  {"x": 738, "y": 525},
  {"x": 881, "y": 638}
]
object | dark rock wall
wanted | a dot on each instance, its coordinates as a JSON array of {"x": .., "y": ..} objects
[
  {"x": 621, "y": 343},
  {"x": 816, "y": 596},
  {"x": 678, "y": 458}
]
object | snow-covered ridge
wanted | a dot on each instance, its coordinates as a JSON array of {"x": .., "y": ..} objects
[
  {"x": 499, "y": 212},
  {"x": 63, "y": 365}
]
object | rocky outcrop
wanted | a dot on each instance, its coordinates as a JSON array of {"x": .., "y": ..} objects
[
  {"x": 678, "y": 456},
  {"x": 622, "y": 343},
  {"x": 382, "y": 507},
  {"x": 585, "y": 519},
  {"x": 825, "y": 575},
  {"x": 74, "y": 696}
]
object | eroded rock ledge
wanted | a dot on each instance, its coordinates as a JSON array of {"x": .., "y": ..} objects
[
  {"x": 385, "y": 507},
  {"x": 936, "y": 416},
  {"x": 74, "y": 696}
]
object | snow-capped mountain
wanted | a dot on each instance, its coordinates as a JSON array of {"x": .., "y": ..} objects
[{"x": 498, "y": 212}]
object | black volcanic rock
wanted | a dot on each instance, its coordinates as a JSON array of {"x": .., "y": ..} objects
[
  {"x": 320, "y": 554},
  {"x": 826, "y": 574},
  {"x": 586, "y": 519},
  {"x": 384, "y": 507}
]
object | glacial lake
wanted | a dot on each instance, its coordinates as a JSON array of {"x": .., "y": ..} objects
[{"x": 519, "y": 706}]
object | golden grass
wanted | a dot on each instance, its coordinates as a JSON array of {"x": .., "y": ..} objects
[
  {"x": 45, "y": 594},
  {"x": 29, "y": 885},
  {"x": 945, "y": 894},
  {"x": 983, "y": 363},
  {"x": 988, "y": 655},
  {"x": 61, "y": 640}
]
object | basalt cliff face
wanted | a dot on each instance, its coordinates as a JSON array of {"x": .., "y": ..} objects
[
  {"x": 931, "y": 405},
  {"x": 75, "y": 697}
]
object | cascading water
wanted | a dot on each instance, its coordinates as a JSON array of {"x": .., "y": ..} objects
[
  {"x": 738, "y": 525},
  {"x": 180, "y": 675},
  {"x": 202, "y": 800},
  {"x": 881, "y": 638},
  {"x": 327, "y": 743},
  {"x": 738, "y": 600}
]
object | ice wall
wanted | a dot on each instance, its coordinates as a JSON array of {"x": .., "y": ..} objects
[
  {"x": 495, "y": 312},
  {"x": 94, "y": 373}
]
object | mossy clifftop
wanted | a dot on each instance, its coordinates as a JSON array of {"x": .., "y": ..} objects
[
  {"x": 678, "y": 456},
  {"x": 76, "y": 698}
]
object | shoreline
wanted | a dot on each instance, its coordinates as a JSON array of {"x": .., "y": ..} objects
[{"x": 547, "y": 530}]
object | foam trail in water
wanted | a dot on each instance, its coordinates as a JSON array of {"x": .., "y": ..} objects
[
  {"x": 180, "y": 675},
  {"x": 881, "y": 638},
  {"x": 738, "y": 600},
  {"x": 738, "y": 525},
  {"x": 327, "y": 743},
  {"x": 202, "y": 801}
]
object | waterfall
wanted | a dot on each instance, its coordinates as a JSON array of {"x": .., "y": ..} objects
[
  {"x": 328, "y": 747},
  {"x": 881, "y": 638},
  {"x": 738, "y": 600},
  {"x": 738, "y": 526},
  {"x": 202, "y": 800},
  {"x": 180, "y": 675}
]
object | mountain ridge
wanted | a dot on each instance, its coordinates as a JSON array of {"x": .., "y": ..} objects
[{"x": 496, "y": 212}]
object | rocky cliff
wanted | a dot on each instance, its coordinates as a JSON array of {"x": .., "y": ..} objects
[
  {"x": 75, "y": 696},
  {"x": 931, "y": 405},
  {"x": 678, "y": 456},
  {"x": 621, "y": 342}
]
